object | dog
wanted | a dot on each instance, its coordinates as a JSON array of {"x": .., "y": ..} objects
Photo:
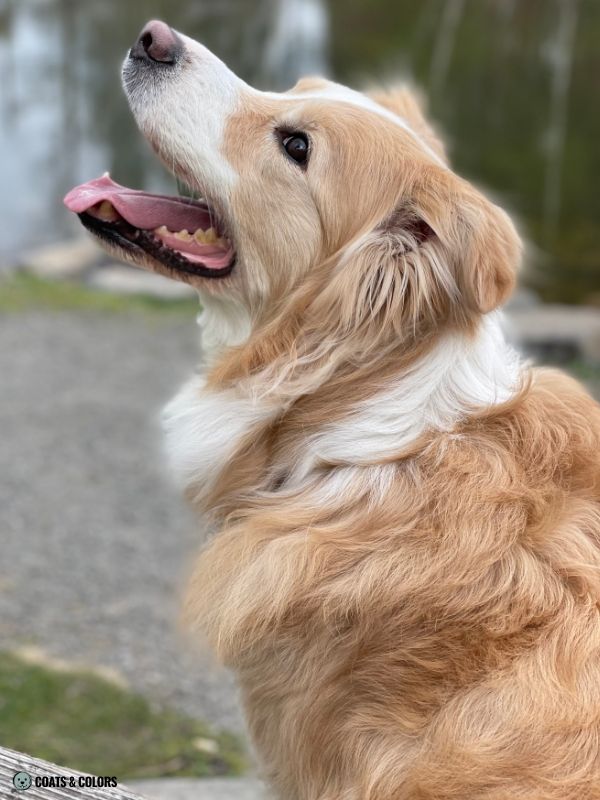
[{"x": 405, "y": 574}]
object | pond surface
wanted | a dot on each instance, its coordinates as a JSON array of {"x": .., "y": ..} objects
[
  {"x": 514, "y": 85},
  {"x": 63, "y": 116}
]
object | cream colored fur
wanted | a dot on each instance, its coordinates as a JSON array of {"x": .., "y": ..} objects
[{"x": 405, "y": 574}]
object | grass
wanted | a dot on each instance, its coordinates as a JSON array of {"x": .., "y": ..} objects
[
  {"x": 584, "y": 371},
  {"x": 20, "y": 291},
  {"x": 82, "y": 721}
]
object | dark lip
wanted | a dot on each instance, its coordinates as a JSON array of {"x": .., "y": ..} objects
[{"x": 139, "y": 243}]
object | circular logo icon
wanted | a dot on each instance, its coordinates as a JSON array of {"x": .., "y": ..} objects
[{"x": 21, "y": 781}]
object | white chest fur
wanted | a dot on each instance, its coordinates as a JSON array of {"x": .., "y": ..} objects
[
  {"x": 203, "y": 428},
  {"x": 459, "y": 376}
]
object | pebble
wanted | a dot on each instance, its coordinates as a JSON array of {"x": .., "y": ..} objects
[
  {"x": 203, "y": 789},
  {"x": 96, "y": 544}
]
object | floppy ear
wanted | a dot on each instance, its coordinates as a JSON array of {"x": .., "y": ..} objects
[
  {"x": 474, "y": 238},
  {"x": 468, "y": 233},
  {"x": 446, "y": 252}
]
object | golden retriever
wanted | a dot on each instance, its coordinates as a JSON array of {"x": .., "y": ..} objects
[{"x": 406, "y": 571}]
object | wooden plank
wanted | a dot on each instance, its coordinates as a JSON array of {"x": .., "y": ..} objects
[{"x": 69, "y": 784}]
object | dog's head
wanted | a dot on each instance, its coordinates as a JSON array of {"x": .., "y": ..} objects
[{"x": 337, "y": 200}]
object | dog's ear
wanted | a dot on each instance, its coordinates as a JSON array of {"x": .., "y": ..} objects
[
  {"x": 311, "y": 83},
  {"x": 409, "y": 104},
  {"x": 472, "y": 237},
  {"x": 453, "y": 232},
  {"x": 446, "y": 252}
]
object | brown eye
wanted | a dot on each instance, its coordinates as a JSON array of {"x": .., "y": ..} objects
[{"x": 296, "y": 146}]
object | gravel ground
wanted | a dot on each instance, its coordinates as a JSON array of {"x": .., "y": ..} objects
[
  {"x": 203, "y": 789},
  {"x": 96, "y": 545}
]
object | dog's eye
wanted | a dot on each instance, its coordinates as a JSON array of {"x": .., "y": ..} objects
[{"x": 296, "y": 146}]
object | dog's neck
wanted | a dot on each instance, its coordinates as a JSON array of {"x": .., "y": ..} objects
[
  {"x": 460, "y": 375},
  {"x": 207, "y": 428},
  {"x": 223, "y": 322}
]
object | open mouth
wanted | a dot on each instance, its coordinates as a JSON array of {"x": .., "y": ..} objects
[{"x": 183, "y": 235}]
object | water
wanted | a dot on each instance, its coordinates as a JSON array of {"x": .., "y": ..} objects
[
  {"x": 297, "y": 42},
  {"x": 524, "y": 125},
  {"x": 63, "y": 116}
]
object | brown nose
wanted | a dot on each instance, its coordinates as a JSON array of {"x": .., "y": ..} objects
[{"x": 157, "y": 42}]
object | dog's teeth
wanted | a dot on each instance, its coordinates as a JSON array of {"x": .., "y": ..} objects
[
  {"x": 107, "y": 212},
  {"x": 162, "y": 231},
  {"x": 184, "y": 236},
  {"x": 209, "y": 236}
]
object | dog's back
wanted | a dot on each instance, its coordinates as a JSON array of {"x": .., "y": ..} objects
[
  {"x": 406, "y": 570},
  {"x": 440, "y": 640}
]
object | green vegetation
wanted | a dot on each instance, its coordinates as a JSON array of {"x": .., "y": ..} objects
[
  {"x": 584, "y": 371},
  {"x": 494, "y": 95},
  {"x": 82, "y": 721},
  {"x": 22, "y": 292},
  {"x": 515, "y": 96}
]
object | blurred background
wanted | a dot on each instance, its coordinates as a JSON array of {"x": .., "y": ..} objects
[
  {"x": 514, "y": 84},
  {"x": 95, "y": 544}
]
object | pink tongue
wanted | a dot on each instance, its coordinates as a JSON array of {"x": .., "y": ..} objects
[
  {"x": 140, "y": 209},
  {"x": 150, "y": 211}
]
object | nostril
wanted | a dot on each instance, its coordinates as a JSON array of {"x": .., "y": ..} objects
[
  {"x": 157, "y": 42},
  {"x": 146, "y": 41}
]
